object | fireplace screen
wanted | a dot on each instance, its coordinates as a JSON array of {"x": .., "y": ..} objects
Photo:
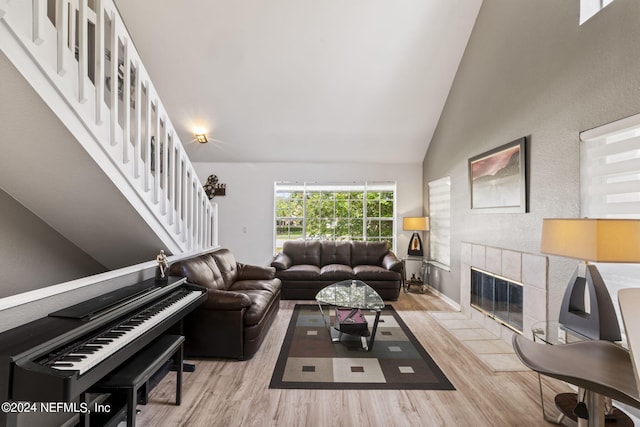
[{"x": 497, "y": 297}]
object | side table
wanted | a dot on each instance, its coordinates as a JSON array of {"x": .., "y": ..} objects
[
  {"x": 552, "y": 333},
  {"x": 413, "y": 281}
]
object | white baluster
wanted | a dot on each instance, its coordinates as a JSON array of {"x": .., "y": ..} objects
[
  {"x": 126, "y": 101},
  {"x": 156, "y": 182},
  {"x": 178, "y": 195},
  {"x": 147, "y": 140},
  {"x": 114, "y": 79},
  {"x": 62, "y": 25},
  {"x": 164, "y": 172},
  {"x": 39, "y": 15},
  {"x": 171, "y": 178},
  {"x": 137, "y": 126},
  {"x": 82, "y": 51},
  {"x": 184, "y": 199},
  {"x": 99, "y": 62}
]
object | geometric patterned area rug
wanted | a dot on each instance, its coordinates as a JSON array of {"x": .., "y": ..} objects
[{"x": 310, "y": 360}]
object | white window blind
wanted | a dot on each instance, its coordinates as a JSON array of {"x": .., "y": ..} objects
[
  {"x": 440, "y": 222},
  {"x": 610, "y": 175},
  {"x": 610, "y": 188}
]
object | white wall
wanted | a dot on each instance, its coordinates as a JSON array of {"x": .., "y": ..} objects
[{"x": 247, "y": 213}]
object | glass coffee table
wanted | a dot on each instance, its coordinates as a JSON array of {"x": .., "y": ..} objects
[{"x": 355, "y": 295}]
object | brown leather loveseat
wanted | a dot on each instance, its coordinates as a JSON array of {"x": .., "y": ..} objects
[
  {"x": 242, "y": 302},
  {"x": 307, "y": 266}
]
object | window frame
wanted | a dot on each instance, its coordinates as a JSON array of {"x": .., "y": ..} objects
[{"x": 308, "y": 188}]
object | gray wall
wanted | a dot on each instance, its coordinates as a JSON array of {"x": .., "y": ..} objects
[
  {"x": 33, "y": 255},
  {"x": 530, "y": 70}
]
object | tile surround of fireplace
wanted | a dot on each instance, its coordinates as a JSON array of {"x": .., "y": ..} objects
[{"x": 530, "y": 270}]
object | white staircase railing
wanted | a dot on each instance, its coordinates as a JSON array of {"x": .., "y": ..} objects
[{"x": 84, "y": 50}]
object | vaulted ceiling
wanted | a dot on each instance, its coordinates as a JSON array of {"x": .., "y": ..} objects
[{"x": 303, "y": 80}]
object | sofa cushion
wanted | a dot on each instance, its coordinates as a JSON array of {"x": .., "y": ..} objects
[
  {"x": 201, "y": 270},
  {"x": 261, "y": 300},
  {"x": 227, "y": 266},
  {"x": 300, "y": 272},
  {"x": 373, "y": 272},
  {"x": 333, "y": 252},
  {"x": 272, "y": 286},
  {"x": 303, "y": 251},
  {"x": 336, "y": 272},
  {"x": 368, "y": 253}
]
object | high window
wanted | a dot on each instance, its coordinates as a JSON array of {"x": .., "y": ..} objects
[
  {"x": 361, "y": 211},
  {"x": 588, "y": 8}
]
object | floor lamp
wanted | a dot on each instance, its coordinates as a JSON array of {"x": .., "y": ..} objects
[
  {"x": 597, "y": 240},
  {"x": 415, "y": 224}
]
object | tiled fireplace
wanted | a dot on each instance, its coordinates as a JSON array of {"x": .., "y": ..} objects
[{"x": 528, "y": 270}]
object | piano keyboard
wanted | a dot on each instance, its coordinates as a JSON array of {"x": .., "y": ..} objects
[{"x": 90, "y": 353}]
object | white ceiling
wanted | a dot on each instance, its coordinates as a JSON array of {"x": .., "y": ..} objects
[{"x": 303, "y": 80}]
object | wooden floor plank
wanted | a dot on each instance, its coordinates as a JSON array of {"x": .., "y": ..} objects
[{"x": 236, "y": 393}]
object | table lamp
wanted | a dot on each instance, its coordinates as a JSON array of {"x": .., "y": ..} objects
[
  {"x": 415, "y": 224},
  {"x": 597, "y": 240}
]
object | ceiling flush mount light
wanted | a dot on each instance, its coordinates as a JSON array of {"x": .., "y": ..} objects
[{"x": 201, "y": 137}]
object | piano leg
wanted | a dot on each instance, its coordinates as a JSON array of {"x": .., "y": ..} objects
[
  {"x": 186, "y": 367},
  {"x": 178, "y": 329},
  {"x": 84, "y": 418}
]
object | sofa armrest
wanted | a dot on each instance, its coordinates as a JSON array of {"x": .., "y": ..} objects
[
  {"x": 281, "y": 261},
  {"x": 225, "y": 300},
  {"x": 255, "y": 272},
  {"x": 391, "y": 262}
]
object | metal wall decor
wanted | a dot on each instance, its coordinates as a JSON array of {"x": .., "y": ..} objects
[{"x": 213, "y": 188}]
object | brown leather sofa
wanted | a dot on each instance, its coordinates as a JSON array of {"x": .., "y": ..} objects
[
  {"x": 307, "y": 266},
  {"x": 242, "y": 303}
]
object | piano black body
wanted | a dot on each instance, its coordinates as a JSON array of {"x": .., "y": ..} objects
[{"x": 23, "y": 378}]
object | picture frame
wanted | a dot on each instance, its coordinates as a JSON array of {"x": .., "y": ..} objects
[{"x": 498, "y": 179}]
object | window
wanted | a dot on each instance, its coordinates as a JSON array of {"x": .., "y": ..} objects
[
  {"x": 588, "y": 8},
  {"x": 610, "y": 188},
  {"x": 440, "y": 222},
  {"x": 610, "y": 171},
  {"x": 334, "y": 212}
]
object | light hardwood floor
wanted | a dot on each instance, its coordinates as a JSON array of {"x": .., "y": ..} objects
[{"x": 235, "y": 393}]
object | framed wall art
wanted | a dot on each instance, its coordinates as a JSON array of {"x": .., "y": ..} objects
[{"x": 498, "y": 179}]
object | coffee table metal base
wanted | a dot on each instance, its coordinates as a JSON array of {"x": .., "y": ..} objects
[{"x": 336, "y": 334}]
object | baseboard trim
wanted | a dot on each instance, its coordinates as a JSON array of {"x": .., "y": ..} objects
[{"x": 444, "y": 298}]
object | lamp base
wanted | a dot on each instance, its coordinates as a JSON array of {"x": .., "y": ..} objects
[
  {"x": 415, "y": 245},
  {"x": 599, "y": 321}
]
